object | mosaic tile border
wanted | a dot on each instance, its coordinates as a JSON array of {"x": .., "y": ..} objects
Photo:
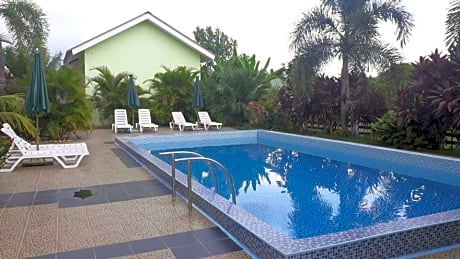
[{"x": 386, "y": 240}]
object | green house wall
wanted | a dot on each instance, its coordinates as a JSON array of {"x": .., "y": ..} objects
[{"x": 141, "y": 50}]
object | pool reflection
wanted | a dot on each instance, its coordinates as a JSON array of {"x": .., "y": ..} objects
[{"x": 305, "y": 195}]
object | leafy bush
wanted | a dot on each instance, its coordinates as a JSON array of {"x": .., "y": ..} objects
[
  {"x": 173, "y": 91},
  {"x": 389, "y": 129},
  {"x": 429, "y": 107}
]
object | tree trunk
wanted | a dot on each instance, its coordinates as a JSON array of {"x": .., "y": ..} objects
[
  {"x": 344, "y": 95},
  {"x": 2, "y": 71}
]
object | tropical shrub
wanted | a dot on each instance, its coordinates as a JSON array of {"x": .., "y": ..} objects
[
  {"x": 11, "y": 112},
  {"x": 430, "y": 106},
  {"x": 391, "y": 131},
  {"x": 256, "y": 114},
  {"x": 109, "y": 91},
  {"x": 232, "y": 85},
  {"x": 366, "y": 103},
  {"x": 70, "y": 110},
  {"x": 294, "y": 97},
  {"x": 172, "y": 91},
  {"x": 325, "y": 103}
]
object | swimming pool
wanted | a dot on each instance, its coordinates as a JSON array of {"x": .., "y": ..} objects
[
  {"x": 394, "y": 238},
  {"x": 310, "y": 195}
]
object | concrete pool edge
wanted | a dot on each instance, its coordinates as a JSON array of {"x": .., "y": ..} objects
[{"x": 388, "y": 239}]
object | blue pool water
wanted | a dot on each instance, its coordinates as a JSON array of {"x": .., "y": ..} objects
[{"x": 305, "y": 196}]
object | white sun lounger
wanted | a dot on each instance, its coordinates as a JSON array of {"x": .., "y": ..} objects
[
  {"x": 20, "y": 141},
  {"x": 204, "y": 119},
  {"x": 67, "y": 155},
  {"x": 145, "y": 120},
  {"x": 180, "y": 122},
  {"x": 121, "y": 120}
]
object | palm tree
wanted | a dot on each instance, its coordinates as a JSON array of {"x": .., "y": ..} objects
[
  {"x": 233, "y": 84},
  {"x": 348, "y": 29},
  {"x": 173, "y": 91},
  {"x": 109, "y": 90},
  {"x": 453, "y": 24},
  {"x": 27, "y": 25}
]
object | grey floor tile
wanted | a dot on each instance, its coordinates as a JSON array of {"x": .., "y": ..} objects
[
  {"x": 48, "y": 200},
  {"x": 147, "y": 245},
  {"x": 180, "y": 239},
  {"x": 77, "y": 254},
  {"x": 125, "y": 158},
  {"x": 70, "y": 202},
  {"x": 209, "y": 234},
  {"x": 50, "y": 256},
  {"x": 21, "y": 199},
  {"x": 110, "y": 251},
  {"x": 47, "y": 194},
  {"x": 190, "y": 252},
  {"x": 221, "y": 246}
]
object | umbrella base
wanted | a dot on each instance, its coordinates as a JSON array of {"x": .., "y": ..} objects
[{"x": 37, "y": 161}]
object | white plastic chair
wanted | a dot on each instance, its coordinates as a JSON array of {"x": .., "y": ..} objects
[
  {"x": 205, "y": 119},
  {"x": 67, "y": 155},
  {"x": 121, "y": 120},
  {"x": 180, "y": 122},
  {"x": 145, "y": 120}
]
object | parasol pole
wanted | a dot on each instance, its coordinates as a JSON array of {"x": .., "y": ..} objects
[
  {"x": 38, "y": 131},
  {"x": 132, "y": 111}
]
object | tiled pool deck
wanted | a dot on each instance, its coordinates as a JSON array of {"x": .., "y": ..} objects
[
  {"x": 131, "y": 215},
  {"x": 379, "y": 241}
]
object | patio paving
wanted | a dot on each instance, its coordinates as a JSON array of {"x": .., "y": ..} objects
[{"x": 129, "y": 215}]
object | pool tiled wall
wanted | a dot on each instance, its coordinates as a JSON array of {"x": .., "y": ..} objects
[
  {"x": 436, "y": 168},
  {"x": 382, "y": 240}
]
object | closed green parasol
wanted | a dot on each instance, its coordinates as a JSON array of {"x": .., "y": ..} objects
[
  {"x": 133, "y": 99},
  {"x": 197, "y": 95},
  {"x": 37, "y": 102}
]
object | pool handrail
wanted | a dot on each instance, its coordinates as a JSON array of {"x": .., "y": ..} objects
[
  {"x": 173, "y": 169},
  {"x": 202, "y": 158},
  {"x": 211, "y": 169}
]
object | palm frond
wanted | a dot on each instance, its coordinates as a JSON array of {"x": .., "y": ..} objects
[
  {"x": 319, "y": 50},
  {"x": 453, "y": 24},
  {"x": 5, "y": 38},
  {"x": 394, "y": 12},
  {"x": 26, "y": 22},
  {"x": 19, "y": 123},
  {"x": 316, "y": 22}
]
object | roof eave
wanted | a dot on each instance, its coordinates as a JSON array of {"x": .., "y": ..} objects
[{"x": 147, "y": 16}]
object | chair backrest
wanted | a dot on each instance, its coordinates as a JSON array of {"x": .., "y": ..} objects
[
  {"x": 178, "y": 117},
  {"x": 204, "y": 117},
  {"x": 144, "y": 116},
  {"x": 120, "y": 117},
  {"x": 19, "y": 142}
]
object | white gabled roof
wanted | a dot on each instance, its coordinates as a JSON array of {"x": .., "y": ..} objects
[{"x": 147, "y": 16}]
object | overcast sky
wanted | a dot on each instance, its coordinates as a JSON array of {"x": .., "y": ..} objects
[{"x": 261, "y": 27}]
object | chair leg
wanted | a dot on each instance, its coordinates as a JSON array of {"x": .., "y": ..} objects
[
  {"x": 9, "y": 170},
  {"x": 67, "y": 166}
]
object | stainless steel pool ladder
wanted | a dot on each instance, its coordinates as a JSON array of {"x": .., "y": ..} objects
[{"x": 188, "y": 160}]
